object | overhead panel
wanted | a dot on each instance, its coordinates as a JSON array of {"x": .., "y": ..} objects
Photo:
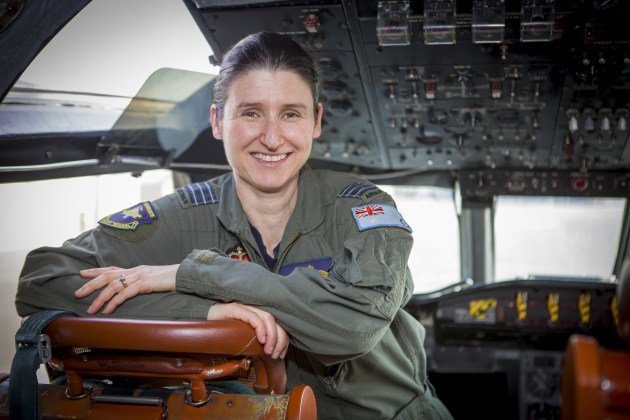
[{"x": 479, "y": 85}]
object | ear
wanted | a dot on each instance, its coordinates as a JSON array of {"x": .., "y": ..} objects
[
  {"x": 317, "y": 131},
  {"x": 217, "y": 127}
]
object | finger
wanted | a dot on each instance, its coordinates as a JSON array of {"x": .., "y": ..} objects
[
  {"x": 91, "y": 286},
  {"x": 270, "y": 329},
  {"x": 96, "y": 271},
  {"x": 111, "y": 288},
  {"x": 254, "y": 319},
  {"x": 101, "y": 277},
  {"x": 282, "y": 344},
  {"x": 119, "y": 298},
  {"x": 103, "y": 297}
]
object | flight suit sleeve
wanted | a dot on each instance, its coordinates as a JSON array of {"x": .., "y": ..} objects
[
  {"x": 335, "y": 317},
  {"x": 50, "y": 275}
]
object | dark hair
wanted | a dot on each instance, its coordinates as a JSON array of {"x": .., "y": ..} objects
[{"x": 264, "y": 51}]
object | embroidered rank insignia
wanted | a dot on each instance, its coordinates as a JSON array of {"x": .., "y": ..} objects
[
  {"x": 237, "y": 253},
  {"x": 378, "y": 215},
  {"x": 357, "y": 189},
  {"x": 131, "y": 218},
  {"x": 323, "y": 265},
  {"x": 197, "y": 194}
]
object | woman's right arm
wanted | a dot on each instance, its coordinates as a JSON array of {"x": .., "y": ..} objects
[{"x": 50, "y": 275}]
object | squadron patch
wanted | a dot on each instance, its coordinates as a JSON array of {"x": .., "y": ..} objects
[
  {"x": 132, "y": 217},
  {"x": 237, "y": 253},
  {"x": 322, "y": 265},
  {"x": 378, "y": 215}
]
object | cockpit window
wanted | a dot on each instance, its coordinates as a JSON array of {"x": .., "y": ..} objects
[
  {"x": 91, "y": 55},
  {"x": 430, "y": 211},
  {"x": 556, "y": 236},
  {"x": 83, "y": 80}
]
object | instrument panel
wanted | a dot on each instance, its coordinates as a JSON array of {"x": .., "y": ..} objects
[{"x": 508, "y": 339}]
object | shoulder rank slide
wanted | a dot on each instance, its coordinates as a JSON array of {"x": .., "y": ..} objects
[
  {"x": 378, "y": 215},
  {"x": 357, "y": 189},
  {"x": 197, "y": 194},
  {"x": 132, "y": 217}
]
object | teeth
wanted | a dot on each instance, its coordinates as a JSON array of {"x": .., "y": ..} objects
[{"x": 269, "y": 158}]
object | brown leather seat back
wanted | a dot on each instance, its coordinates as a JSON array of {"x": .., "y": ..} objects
[
  {"x": 120, "y": 368},
  {"x": 194, "y": 351}
]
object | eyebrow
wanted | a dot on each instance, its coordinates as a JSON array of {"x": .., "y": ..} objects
[{"x": 258, "y": 104}]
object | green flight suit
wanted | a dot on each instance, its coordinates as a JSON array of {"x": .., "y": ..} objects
[{"x": 338, "y": 286}]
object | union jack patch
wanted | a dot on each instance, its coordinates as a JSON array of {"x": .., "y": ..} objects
[
  {"x": 378, "y": 215},
  {"x": 132, "y": 217}
]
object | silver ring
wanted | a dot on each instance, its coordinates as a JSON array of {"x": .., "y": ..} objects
[{"x": 123, "y": 280}]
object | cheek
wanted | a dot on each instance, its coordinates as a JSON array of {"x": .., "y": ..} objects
[{"x": 240, "y": 133}]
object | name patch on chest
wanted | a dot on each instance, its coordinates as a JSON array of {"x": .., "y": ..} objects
[
  {"x": 378, "y": 215},
  {"x": 131, "y": 218},
  {"x": 323, "y": 265}
]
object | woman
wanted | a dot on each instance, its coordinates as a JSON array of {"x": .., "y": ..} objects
[{"x": 316, "y": 259}]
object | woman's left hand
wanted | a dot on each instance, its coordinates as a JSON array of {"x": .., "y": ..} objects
[{"x": 120, "y": 284}]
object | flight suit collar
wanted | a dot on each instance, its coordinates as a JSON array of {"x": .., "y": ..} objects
[
  {"x": 308, "y": 214},
  {"x": 230, "y": 212},
  {"x": 309, "y": 211}
]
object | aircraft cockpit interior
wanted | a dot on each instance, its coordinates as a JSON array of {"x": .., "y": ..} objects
[
  {"x": 492, "y": 99},
  {"x": 496, "y": 107}
]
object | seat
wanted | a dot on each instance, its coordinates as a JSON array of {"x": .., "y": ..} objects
[
  {"x": 596, "y": 380},
  {"x": 121, "y": 368}
]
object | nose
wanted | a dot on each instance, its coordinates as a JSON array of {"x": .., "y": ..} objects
[{"x": 271, "y": 137}]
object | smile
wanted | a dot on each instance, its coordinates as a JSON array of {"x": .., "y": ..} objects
[{"x": 269, "y": 158}]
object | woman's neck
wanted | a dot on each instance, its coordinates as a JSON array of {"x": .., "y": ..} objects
[{"x": 269, "y": 212}]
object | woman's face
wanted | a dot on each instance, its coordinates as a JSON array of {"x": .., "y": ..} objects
[{"x": 268, "y": 126}]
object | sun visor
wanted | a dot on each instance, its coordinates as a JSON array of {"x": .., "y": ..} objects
[{"x": 162, "y": 121}]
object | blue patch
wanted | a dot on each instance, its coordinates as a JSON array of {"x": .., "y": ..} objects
[
  {"x": 131, "y": 218},
  {"x": 356, "y": 190},
  {"x": 323, "y": 265},
  {"x": 372, "y": 216}
]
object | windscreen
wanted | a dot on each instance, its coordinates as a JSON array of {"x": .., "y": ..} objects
[{"x": 556, "y": 236}]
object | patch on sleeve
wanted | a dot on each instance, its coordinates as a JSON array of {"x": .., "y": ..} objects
[
  {"x": 357, "y": 189},
  {"x": 198, "y": 194},
  {"x": 323, "y": 265},
  {"x": 131, "y": 218},
  {"x": 378, "y": 215}
]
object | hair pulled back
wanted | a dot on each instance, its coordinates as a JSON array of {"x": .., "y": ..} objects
[{"x": 264, "y": 51}]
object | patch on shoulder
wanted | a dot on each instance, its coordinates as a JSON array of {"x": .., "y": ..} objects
[
  {"x": 378, "y": 215},
  {"x": 198, "y": 194},
  {"x": 131, "y": 218},
  {"x": 358, "y": 190}
]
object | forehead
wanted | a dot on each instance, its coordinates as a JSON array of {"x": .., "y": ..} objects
[{"x": 259, "y": 85}]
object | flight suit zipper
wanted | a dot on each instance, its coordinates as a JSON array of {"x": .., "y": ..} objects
[{"x": 284, "y": 250}]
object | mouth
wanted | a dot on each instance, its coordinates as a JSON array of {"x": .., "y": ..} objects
[{"x": 269, "y": 158}]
